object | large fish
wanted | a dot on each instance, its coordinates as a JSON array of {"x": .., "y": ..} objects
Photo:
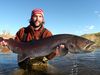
[{"x": 43, "y": 47}]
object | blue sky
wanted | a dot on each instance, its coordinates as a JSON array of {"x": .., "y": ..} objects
[{"x": 61, "y": 16}]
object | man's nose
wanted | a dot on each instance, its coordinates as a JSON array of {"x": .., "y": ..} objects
[{"x": 37, "y": 18}]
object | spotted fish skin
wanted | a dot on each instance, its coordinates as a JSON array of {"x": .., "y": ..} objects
[{"x": 43, "y": 47}]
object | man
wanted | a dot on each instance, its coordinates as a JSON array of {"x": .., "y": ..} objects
[{"x": 35, "y": 30}]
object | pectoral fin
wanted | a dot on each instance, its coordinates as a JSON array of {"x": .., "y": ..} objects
[
  {"x": 63, "y": 51},
  {"x": 22, "y": 57}
]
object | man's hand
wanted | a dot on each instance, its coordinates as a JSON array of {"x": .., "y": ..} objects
[
  {"x": 45, "y": 59},
  {"x": 58, "y": 49},
  {"x": 57, "y": 52},
  {"x": 3, "y": 43}
]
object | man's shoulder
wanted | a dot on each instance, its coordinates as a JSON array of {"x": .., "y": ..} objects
[
  {"x": 45, "y": 29},
  {"x": 23, "y": 29},
  {"x": 47, "y": 32}
]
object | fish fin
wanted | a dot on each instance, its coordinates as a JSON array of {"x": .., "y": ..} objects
[
  {"x": 16, "y": 50},
  {"x": 21, "y": 57},
  {"x": 63, "y": 51}
]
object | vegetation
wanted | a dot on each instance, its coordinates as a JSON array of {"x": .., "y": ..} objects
[{"x": 6, "y": 34}]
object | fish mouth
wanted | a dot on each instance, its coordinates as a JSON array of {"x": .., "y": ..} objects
[{"x": 89, "y": 47}]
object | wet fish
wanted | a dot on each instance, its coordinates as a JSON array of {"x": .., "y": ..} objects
[{"x": 43, "y": 47}]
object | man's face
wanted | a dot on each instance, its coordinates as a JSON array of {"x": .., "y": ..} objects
[{"x": 37, "y": 19}]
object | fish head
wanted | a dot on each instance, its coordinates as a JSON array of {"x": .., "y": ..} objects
[
  {"x": 85, "y": 45},
  {"x": 81, "y": 45}
]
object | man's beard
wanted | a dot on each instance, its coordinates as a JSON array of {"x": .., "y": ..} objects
[
  {"x": 33, "y": 24},
  {"x": 37, "y": 26}
]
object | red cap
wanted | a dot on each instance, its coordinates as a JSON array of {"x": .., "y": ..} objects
[{"x": 38, "y": 11}]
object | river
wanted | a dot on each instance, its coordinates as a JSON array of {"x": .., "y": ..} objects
[{"x": 71, "y": 64}]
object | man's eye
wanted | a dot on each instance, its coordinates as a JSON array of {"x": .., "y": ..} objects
[{"x": 40, "y": 16}]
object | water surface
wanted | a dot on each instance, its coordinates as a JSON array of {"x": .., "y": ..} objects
[{"x": 71, "y": 64}]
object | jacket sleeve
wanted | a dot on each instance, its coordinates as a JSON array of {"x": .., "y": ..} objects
[
  {"x": 47, "y": 33},
  {"x": 53, "y": 54},
  {"x": 19, "y": 35}
]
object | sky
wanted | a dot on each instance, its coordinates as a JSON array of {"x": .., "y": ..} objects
[{"x": 61, "y": 16}]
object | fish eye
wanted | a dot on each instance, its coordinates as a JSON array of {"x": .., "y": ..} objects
[
  {"x": 71, "y": 46},
  {"x": 87, "y": 41}
]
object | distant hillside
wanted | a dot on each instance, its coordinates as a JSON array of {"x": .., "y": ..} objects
[
  {"x": 94, "y": 37},
  {"x": 6, "y": 35}
]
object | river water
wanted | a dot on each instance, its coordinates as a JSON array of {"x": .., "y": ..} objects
[{"x": 71, "y": 64}]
